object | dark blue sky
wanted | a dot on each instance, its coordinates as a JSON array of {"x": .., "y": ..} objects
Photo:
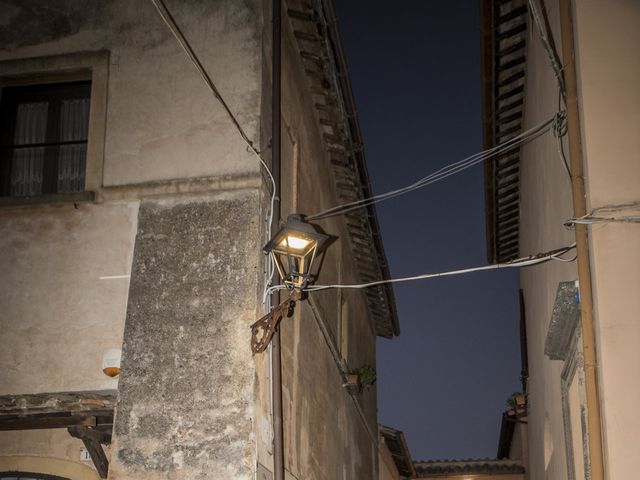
[{"x": 415, "y": 69}]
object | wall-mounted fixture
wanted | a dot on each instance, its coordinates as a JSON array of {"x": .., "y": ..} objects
[
  {"x": 294, "y": 249},
  {"x": 111, "y": 362}
]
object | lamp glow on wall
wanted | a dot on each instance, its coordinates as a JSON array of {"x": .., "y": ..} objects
[{"x": 294, "y": 249}]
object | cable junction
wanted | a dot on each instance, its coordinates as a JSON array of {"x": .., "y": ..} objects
[{"x": 170, "y": 22}]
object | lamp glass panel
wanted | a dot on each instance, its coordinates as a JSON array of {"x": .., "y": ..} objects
[{"x": 295, "y": 242}]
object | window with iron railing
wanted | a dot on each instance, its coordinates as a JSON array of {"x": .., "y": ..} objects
[{"x": 43, "y": 138}]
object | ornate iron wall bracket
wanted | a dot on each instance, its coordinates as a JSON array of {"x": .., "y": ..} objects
[{"x": 262, "y": 331}]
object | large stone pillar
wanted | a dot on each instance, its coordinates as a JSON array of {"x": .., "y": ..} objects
[{"x": 186, "y": 389}]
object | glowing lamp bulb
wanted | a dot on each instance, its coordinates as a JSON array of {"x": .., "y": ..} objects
[
  {"x": 295, "y": 242},
  {"x": 293, "y": 250}
]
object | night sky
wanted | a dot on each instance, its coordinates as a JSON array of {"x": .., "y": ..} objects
[{"x": 415, "y": 70}]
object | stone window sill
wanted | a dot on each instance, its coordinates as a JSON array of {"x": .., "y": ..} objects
[{"x": 76, "y": 197}]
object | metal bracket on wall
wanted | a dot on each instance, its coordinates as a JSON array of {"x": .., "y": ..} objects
[{"x": 262, "y": 331}]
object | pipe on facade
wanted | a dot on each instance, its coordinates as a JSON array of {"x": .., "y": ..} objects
[
  {"x": 276, "y": 353},
  {"x": 594, "y": 425}
]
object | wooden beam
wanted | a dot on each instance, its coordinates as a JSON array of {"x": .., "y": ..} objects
[
  {"x": 92, "y": 440},
  {"x": 43, "y": 403},
  {"x": 39, "y": 423}
]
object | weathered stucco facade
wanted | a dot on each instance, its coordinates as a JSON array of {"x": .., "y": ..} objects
[
  {"x": 608, "y": 69},
  {"x": 161, "y": 257}
]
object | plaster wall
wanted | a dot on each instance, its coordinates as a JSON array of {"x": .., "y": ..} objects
[
  {"x": 387, "y": 467},
  {"x": 59, "y": 310},
  {"x": 162, "y": 122},
  {"x": 329, "y": 434},
  {"x": 519, "y": 445},
  {"x": 179, "y": 208},
  {"x": 162, "y": 136},
  {"x": 158, "y": 122},
  {"x": 53, "y": 452},
  {"x": 607, "y": 36},
  {"x": 609, "y": 73},
  {"x": 545, "y": 193}
]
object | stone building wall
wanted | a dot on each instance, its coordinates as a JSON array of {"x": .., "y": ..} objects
[
  {"x": 608, "y": 73},
  {"x": 177, "y": 208},
  {"x": 166, "y": 260}
]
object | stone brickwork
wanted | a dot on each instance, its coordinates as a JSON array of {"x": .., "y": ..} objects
[{"x": 187, "y": 377}]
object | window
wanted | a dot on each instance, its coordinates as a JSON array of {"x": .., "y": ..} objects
[{"x": 43, "y": 136}]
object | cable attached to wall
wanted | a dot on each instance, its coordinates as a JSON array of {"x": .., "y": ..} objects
[
  {"x": 170, "y": 22},
  {"x": 541, "y": 20},
  {"x": 559, "y": 132},
  {"x": 552, "y": 255},
  {"x": 596, "y": 215},
  {"x": 544, "y": 30},
  {"x": 590, "y": 220}
]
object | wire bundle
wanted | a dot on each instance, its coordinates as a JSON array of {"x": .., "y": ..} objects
[
  {"x": 552, "y": 255},
  {"x": 445, "y": 171},
  {"x": 556, "y": 124},
  {"x": 613, "y": 215}
]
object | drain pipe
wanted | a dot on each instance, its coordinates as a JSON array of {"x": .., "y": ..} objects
[
  {"x": 276, "y": 353},
  {"x": 594, "y": 426}
]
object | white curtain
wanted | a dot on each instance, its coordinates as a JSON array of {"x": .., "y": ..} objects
[
  {"x": 27, "y": 162},
  {"x": 31, "y": 128},
  {"x": 74, "y": 123}
]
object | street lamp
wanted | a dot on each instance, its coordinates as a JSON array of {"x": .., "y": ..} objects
[{"x": 293, "y": 249}]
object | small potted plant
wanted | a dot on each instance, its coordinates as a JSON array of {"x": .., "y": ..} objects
[
  {"x": 517, "y": 403},
  {"x": 361, "y": 377}
]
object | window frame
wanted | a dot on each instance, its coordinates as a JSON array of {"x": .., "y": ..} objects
[
  {"x": 74, "y": 67},
  {"x": 53, "y": 93}
]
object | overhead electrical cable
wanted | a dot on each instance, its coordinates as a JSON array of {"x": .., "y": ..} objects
[
  {"x": 543, "y": 27},
  {"x": 520, "y": 262},
  {"x": 618, "y": 208},
  {"x": 542, "y": 24},
  {"x": 445, "y": 171},
  {"x": 552, "y": 255},
  {"x": 168, "y": 19},
  {"x": 596, "y": 215},
  {"x": 591, "y": 219}
]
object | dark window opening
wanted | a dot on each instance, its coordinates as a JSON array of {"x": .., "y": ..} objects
[{"x": 43, "y": 138}]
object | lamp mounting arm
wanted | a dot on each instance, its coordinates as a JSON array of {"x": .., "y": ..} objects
[{"x": 262, "y": 331}]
